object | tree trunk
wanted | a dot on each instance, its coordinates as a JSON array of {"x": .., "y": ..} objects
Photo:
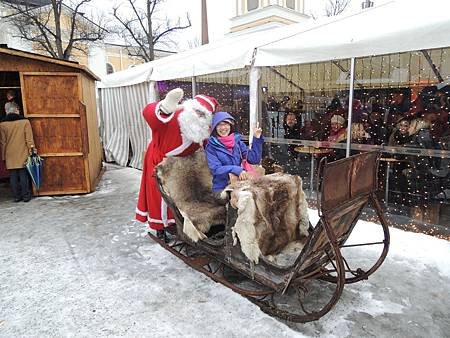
[
  {"x": 58, "y": 38},
  {"x": 150, "y": 32},
  {"x": 205, "y": 36}
]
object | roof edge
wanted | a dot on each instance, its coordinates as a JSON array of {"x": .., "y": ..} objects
[{"x": 38, "y": 57}]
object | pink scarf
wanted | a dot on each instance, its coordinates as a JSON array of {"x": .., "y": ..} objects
[{"x": 227, "y": 141}]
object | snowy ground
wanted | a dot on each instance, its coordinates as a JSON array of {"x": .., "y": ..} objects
[{"x": 79, "y": 266}]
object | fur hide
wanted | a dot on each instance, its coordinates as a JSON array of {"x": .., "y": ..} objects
[
  {"x": 188, "y": 183},
  {"x": 272, "y": 212},
  {"x": 271, "y": 166}
]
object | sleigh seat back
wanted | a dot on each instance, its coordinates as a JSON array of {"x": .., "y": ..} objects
[{"x": 346, "y": 187}]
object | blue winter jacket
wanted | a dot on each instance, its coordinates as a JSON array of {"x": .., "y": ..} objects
[{"x": 222, "y": 162}]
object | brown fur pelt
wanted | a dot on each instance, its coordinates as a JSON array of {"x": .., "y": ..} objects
[
  {"x": 188, "y": 183},
  {"x": 272, "y": 212},
  {"x": 271, "y": 166}
]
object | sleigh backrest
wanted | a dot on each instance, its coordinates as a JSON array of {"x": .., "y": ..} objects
[
  {"x": 348, "y": 179},
  {"x": 346, "y": 187}
]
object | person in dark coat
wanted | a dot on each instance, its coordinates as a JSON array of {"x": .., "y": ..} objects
[
  {"x": 310, "y": 130},
  {"x": 399, "y": 138},
  {"x": 225, "y": 151},
  {"x": 291, "y": 132},
  {"x": 377, "y": 128},
  {"x": 420, "y": 177},
  {"x": 401, "y": 135},
  {"x": 291, "y": 126},
  {"x": 398, "y": 106}
]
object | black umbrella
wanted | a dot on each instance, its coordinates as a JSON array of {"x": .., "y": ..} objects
[{"x": 34, "y": 166}]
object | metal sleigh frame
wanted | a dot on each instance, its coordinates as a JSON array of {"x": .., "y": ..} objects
[{"x": 346, "y": 187}]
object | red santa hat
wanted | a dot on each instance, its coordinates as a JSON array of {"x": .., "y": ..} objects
[{"x": 208, "y": 102}]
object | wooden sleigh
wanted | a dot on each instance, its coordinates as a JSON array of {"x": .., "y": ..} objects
[{"x": 309, "y": 287}]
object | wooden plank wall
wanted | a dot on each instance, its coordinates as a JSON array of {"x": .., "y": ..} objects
[
  {"x": 95, "y": 149},
  {"x": 51, "y": 102}
]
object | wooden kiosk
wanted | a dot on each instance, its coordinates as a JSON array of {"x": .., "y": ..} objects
[{"x": 58, "y": 97}]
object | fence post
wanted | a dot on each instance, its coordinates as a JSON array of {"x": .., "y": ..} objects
[{"x": 350, "y": 107}]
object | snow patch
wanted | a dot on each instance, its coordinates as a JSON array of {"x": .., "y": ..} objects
[
  {"x": 415, "y": 249},
  {"x": 376, "y": 307}
]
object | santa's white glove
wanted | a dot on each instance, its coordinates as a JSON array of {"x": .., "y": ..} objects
[{"x": 170, "y": 103}]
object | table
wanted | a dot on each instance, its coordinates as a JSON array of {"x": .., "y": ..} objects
[
  {"x": 313, "y": 151},
  {"x": 388, "y": 161}
]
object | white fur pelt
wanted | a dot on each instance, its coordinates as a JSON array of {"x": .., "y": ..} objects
[
  {"x": 272, "y": 212},
  {"x": 245, "y": 227},
  {"x": 194, "y": 126},
  {"x": 189, "y": 228}
]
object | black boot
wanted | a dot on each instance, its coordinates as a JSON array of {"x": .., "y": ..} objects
[
  {"x": 160, "y": 234},
  {"x": 171, "y": 229},
  {"x": 165, "y": 236}
]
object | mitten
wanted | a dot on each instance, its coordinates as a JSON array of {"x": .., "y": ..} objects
[{"x": 170, "y": 103}]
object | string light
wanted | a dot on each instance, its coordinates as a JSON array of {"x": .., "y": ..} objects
[{"x": 411, "y": 194}]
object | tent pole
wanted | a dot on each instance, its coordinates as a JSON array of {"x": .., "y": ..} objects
[
  {"x": 194, "y": 86},
  {"x": 153, "y": 91},
  {"x": 350, "y": 106},
  {"x": 254, "y": 76}
]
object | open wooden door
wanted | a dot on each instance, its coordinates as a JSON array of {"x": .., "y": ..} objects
[{"x": 52, "y": 103}]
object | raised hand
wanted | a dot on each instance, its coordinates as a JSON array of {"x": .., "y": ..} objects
[
  {"x": 257, "y": 131},
  {"x": 170, "y": 103}
]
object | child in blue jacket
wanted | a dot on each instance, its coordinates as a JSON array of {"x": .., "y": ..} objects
[{"x": 225, "y": 151}]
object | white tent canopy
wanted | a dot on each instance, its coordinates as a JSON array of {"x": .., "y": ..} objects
[
  {"x": 232, "y": 52},
  {"x": 398, "y": 26},
  {"x": 129, "y": 77},
  {"x": 229, "y": 53}
]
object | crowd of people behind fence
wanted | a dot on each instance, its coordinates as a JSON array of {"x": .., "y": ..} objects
[
  {"x": 381, "y": 124},
  {"x": 422, "y": 122}
]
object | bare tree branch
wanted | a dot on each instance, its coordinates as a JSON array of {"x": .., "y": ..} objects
[
  {"x": 336, "y": 7},
  {"x": 56, "y": 29},
  {"x": 138, "y": 16},
  {"x": 134, "y": 35},
  {"x": 144, "y": 29},
  {"x": 169, "y": 29}
]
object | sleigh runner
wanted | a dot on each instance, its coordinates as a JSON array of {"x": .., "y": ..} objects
[{"x": 304, "y": 287}]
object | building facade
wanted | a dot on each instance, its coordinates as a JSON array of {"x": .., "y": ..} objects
[
  {"x": 255, "y": 15},
  {"x": 102, "y": 57}
]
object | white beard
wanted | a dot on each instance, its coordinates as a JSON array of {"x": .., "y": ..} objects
[{"x": 193, "y": 127}]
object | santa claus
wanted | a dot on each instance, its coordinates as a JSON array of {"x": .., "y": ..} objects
[{"x": 177, "y": 130}]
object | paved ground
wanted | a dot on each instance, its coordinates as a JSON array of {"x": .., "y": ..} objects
[{"x": 79, "y": 266}]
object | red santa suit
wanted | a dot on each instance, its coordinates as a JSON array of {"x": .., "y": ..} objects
[{"x": 177, "y": 134}]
